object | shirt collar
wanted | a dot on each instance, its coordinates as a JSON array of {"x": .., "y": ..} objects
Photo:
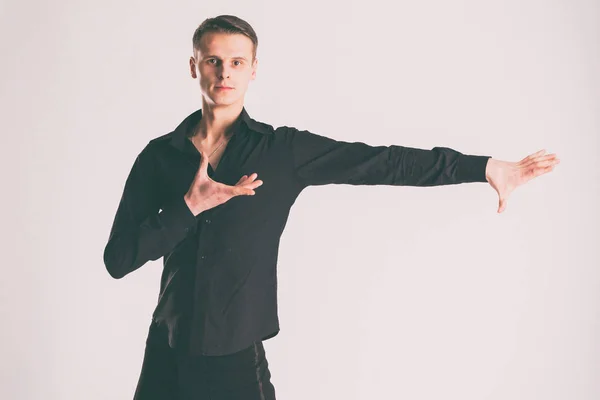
[{"x": 241, "y": 125}]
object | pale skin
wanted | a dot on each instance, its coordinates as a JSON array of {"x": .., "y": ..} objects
[
  {"x": 227, "y": 60},
  {"x": 222, "y": 60}
]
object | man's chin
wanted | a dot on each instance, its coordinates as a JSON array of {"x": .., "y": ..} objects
[{"x": 221, "y": 102}]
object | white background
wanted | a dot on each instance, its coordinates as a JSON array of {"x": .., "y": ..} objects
[{"x": 384, "y": 292}]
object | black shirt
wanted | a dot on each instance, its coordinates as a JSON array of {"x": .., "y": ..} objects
[{"x": 218, "y": 290}]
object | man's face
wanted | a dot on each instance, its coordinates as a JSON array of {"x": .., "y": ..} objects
[{"x": 225, "y": 66}]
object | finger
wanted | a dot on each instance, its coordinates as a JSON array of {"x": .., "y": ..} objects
[
  {"x": 252, "y": 176},
  {"x": 245, "y": 179},
  {"x": 531, "y": 156},
  {"x": 541, "y": 168},
  {"x": 538, "y": 153},
  {"x": 246, "y": 189},
  {"x": 538, "y": 159},
  {"x": 547, "y": 163},
  {"x": 241, "y": 191},
  {"x": 241, "y": 179},
  {"x": 254, "y": 185},
  {"x": 546, "y": 157}
]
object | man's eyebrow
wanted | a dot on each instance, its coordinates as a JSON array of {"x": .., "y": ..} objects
[{"x": 233, "y": 58}]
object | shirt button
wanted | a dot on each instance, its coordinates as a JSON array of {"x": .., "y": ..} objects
[
  {"x": 202, "y": 257},
  {"x": 207, "y": 221}
]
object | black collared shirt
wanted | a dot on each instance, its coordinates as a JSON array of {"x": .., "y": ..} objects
[{"x": 218, "y": 290}]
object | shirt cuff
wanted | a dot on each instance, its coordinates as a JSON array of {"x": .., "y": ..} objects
[
  {"x": 177, "y": 217},
  {"x": 472, "y": 168}
]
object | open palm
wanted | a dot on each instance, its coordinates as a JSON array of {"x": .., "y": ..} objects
[
  {"x": 505, "y": 176},
  {"x": 205, "y": 193}
]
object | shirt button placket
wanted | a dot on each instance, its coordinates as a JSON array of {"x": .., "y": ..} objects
[
  {"x": 200, "y": 289},
  {"x": 206, "y": 282},
  {"x": 206, "y": 221}
]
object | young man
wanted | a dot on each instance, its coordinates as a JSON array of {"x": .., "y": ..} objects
[{"x": 194, "y": 197}]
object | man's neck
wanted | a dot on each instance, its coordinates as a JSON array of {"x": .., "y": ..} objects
[{"x": 216, "y": 122}]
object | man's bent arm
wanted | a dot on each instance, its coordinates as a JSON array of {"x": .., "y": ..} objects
[{"x": 139, "y": 231}]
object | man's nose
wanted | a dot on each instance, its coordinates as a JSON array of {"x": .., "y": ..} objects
[{"x": 224, "y": 73}]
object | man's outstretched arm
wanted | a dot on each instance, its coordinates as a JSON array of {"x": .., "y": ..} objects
[{"x": 319, "y": 160}]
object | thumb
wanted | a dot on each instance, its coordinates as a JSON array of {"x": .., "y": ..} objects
[
  {"x": 203, "y": 169},
  {"x": 501, "y": 205}
]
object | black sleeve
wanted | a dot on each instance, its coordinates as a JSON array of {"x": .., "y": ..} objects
[
  {"x": 319, "y": 160},
  {"x": 141, "y": 231}
]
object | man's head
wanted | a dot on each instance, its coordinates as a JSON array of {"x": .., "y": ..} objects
[{"x": 224, "y": 55}]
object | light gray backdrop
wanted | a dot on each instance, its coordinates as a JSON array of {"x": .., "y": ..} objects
[{"x": 425, "y": 293}]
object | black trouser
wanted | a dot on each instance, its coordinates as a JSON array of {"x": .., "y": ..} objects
[{"x": 167, "y": 375}]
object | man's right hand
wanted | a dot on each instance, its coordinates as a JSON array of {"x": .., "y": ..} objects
[{"x": 205, "y": 193}]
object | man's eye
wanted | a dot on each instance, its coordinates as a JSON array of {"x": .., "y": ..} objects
[
  {"x": 210, "y": 60},
  {"x": 237, "y": 61}
]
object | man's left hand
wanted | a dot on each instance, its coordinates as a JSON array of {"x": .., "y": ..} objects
[{"x": 505, "y": 176}]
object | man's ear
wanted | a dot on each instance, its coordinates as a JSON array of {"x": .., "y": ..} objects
[
  {"x": 254, "y": 68},
  {"x": 193, "y": 67}
]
